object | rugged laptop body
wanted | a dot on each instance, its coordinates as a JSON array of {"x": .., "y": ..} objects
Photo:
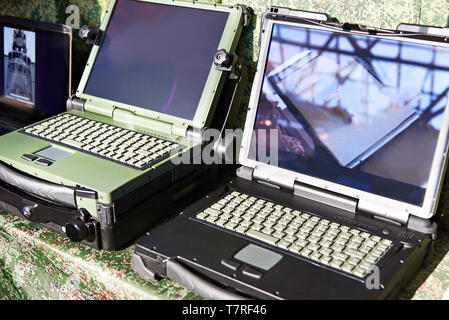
[
  {"x": 105, "y": 201},
  {"x": 310, "y": 228},
  {"x": 35, "y": 71}
]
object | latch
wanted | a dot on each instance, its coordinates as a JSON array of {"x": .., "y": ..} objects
[
  {"x": 231, "y": 63},
  {"x": 228, "y": 62},
  {"x": 247, "y": 15},
  {"x": 91, "y": 35}
]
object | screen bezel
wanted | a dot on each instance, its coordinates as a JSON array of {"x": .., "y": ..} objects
[
  {"x": 208, "y": 98},
  {"x": 61, "y": 30},
  {"x": 385, "y": 206}
]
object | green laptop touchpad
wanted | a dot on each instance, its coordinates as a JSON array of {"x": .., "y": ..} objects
[
  {"x": 53, "y": 153},
  {"x": 258, "y": 257}
]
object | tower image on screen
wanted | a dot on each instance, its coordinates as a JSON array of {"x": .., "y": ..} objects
[{"x": 19, "y": 65}]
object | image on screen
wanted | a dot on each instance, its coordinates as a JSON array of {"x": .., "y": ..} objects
[
  {"x": 35, "y": 71},
  {"x": 157, "y": 57},
  {"x": 19, "y": 58},
  {"x": 360, "y": 111}
]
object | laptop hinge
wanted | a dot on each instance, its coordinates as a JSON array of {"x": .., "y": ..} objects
[
  {"x": 269, "y": 180},
  {"x": 75, "y": 103},
  {"x": 280, "y": 11},
  {"x": 386, "y": 213},
  {"x": 329, "y": 198},
  {"x": 245, "y": 173},
  {"x": 272, "y": 178},
  {"x": 333, "y": 199},
  {"x": 179, "y": 130},
  {"x": 426, "y": 30},
  {"x": 99, "y": 107},
  {"x": 126, "y": 116}
]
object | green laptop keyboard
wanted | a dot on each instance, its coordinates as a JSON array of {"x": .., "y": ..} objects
[
  {"x": 120, "y": 145},
  {"x": 315, "y": 239}
]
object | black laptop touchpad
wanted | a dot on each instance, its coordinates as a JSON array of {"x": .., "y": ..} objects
[{"x": 258, "y": 257}]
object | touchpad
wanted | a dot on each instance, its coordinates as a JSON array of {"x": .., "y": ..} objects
[
  {"x": 258, "y": 257},
  {"x": 53, "y": 153}
]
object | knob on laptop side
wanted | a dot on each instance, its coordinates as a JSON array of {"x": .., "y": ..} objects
[{"x": 77, "y": 230}]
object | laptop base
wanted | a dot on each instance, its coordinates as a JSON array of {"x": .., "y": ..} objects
[
  {"x": 153, "y": 256},
  {"x": 114, "y": 229},
  {"x": 13, "y": 118}
]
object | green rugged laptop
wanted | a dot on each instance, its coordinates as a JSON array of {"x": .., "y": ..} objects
[{"x": 150, "y": 82}]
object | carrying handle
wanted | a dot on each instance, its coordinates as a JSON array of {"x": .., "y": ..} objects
[
  {"x": 204, "y": 288},
  {"x": 78, "y": 225},
  {"x": 60, "y": 194}
]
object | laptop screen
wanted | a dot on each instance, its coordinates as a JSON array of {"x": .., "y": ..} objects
[
  {"x": 157, "y": 56},
  {"x": 359, "y": 111},
  {"x": 35, "y": 67}
]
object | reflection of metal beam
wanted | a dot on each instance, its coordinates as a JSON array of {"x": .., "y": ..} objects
[
  {"x": 364, "y": 60},
  {"x": 348, "y": 53},
  {"x": 427, "y": 114}
]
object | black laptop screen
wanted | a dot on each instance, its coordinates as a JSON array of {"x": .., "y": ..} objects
[
  {"x": 359, "y": 111},
  {"x": 157, "y": 56},
  {"x": 34, "y": 70}
]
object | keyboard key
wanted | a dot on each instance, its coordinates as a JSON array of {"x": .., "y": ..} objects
[
  {"x": 315, "y": 256},
  {"x": 335, "y": 263},
  {"x": 221, "y": 222},
  {"x": 348, "y": 267},
  {"x": 231, "y": 225},
  {"x": 359, "y": 272},
  {"x": 256, "y": 227},
  {"x": 211, "y": 219},
  {"x": 306, "y": 252},
  {"x": 262, "y": 237},
  {"x": 354, "y": 261},
  {"x": 325, "y": 260},
  {"x": 267, "y": 230},
  {"x": 202, "y": 215},
  {"x": 283, "y": 244},
  {"x": 295, "y": 248},
  {"x": 278, "y": 234},
  {"x": 241, "y": 229},
  {"x": 212, "y": 212},
  {"x": 72, "y": 143}
]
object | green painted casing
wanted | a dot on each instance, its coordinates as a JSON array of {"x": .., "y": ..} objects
[
  {"x": 111, "y": 180},
  {"x": 207, "y": 103}
]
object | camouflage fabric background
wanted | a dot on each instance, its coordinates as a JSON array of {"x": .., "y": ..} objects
[{"x": 38, "y": 264}]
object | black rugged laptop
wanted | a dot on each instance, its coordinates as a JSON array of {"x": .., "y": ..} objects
[
  {"x": 34, "y": 71},
  {"x": 343, "y": 156}
]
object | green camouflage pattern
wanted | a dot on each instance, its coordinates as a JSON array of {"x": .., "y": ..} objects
[{"x": 38, "y": 264}]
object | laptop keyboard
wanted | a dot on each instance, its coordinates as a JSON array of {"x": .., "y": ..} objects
[
  {"x": 313, "y": 238},
  {"x": 120, "y": 145}
]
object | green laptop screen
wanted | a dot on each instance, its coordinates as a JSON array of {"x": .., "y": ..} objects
[
  {"x": 157, "y": 56},
  {"x": 355, "y": 110}
]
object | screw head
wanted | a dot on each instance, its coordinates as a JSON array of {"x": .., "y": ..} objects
[{"x": 27, "y": 212}]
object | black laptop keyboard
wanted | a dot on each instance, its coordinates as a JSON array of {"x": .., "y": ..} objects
[
  {"x": 4, "y": 131},
  {"x": 312, "y": 238},
  {"x": 113, "y": 143},
  {"x": 6, "y": 127}
]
